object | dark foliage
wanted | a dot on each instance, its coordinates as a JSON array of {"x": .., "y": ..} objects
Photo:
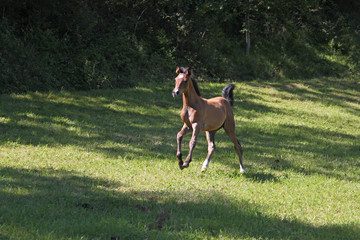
[{"x": 54, "y": 45}]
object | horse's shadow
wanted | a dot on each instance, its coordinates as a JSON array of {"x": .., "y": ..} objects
[
  {"x": 262, "y": 177},
  {"x": 259, "y": 177}
]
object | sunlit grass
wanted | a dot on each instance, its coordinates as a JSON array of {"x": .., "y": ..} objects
[{"x": 102, "y": 164}]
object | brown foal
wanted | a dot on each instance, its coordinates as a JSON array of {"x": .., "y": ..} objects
[{"x": 199, "y": 114}]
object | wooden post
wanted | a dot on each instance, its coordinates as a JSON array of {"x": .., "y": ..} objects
[{"x": 247, "y": 34}]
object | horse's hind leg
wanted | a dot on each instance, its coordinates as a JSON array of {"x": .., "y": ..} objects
[
  {"x": 210, "y": 137},
  {"x": 184, "y": 131},
  {"x": 229, "y": 127}
]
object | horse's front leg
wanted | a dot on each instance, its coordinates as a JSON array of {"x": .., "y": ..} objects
[
  {"x": 196, "y": 130},
  {"x": 184, "y": 131}
]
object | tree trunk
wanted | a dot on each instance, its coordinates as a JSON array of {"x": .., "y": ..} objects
[{"x": 247, "y": 35}]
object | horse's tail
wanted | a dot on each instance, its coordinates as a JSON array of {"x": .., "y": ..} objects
[{"x": 227, "y": 93}]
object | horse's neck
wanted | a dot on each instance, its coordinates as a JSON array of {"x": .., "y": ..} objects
[{"x": 190, "y": 97}]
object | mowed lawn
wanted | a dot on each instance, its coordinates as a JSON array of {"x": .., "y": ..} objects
[{"x": 102, "y": 165}]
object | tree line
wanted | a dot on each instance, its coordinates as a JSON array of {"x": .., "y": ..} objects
[{"x": 89, "y": 44}]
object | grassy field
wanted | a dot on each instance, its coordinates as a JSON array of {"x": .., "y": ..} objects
[{"x": 102, "y": 165}]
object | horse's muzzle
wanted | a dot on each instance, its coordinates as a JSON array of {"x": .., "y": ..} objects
[{"x": 176, "y": 92}]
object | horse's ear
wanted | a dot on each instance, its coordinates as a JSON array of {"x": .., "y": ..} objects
[
  {"x": 189, "y": 71},
  {"x": 177, "y": 70}
]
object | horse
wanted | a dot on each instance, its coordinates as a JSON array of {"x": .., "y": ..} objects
[{"x": 200, "y": 114}]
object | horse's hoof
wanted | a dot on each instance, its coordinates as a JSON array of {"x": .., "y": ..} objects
[
  {"x": 242, "y": 171},
  {"x": 203, "y": 169},
  {"x": 185, "y": 165},
  {"x": 180, "y": 162}
]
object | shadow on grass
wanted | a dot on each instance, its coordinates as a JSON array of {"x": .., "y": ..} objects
[
  {"x": 262, "y": 177},
  {"x": 332, "y": 150},
  {"x": 328, "y": 91},
  {"x": 292, "y": 147},
  {"x": 91, "y": 120},
  {"x": 61, "y": 204},
  {"x": 144, "y": 122}
]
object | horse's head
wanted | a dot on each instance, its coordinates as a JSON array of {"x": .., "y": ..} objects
[{"x": 181, "y": 81}]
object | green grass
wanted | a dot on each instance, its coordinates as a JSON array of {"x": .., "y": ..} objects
[{"x": 101, "y": 165}]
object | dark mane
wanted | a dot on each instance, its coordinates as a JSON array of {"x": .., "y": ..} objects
[
  {"x": 197, "y": 90},
  {"x": 189, "y": 70}
]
